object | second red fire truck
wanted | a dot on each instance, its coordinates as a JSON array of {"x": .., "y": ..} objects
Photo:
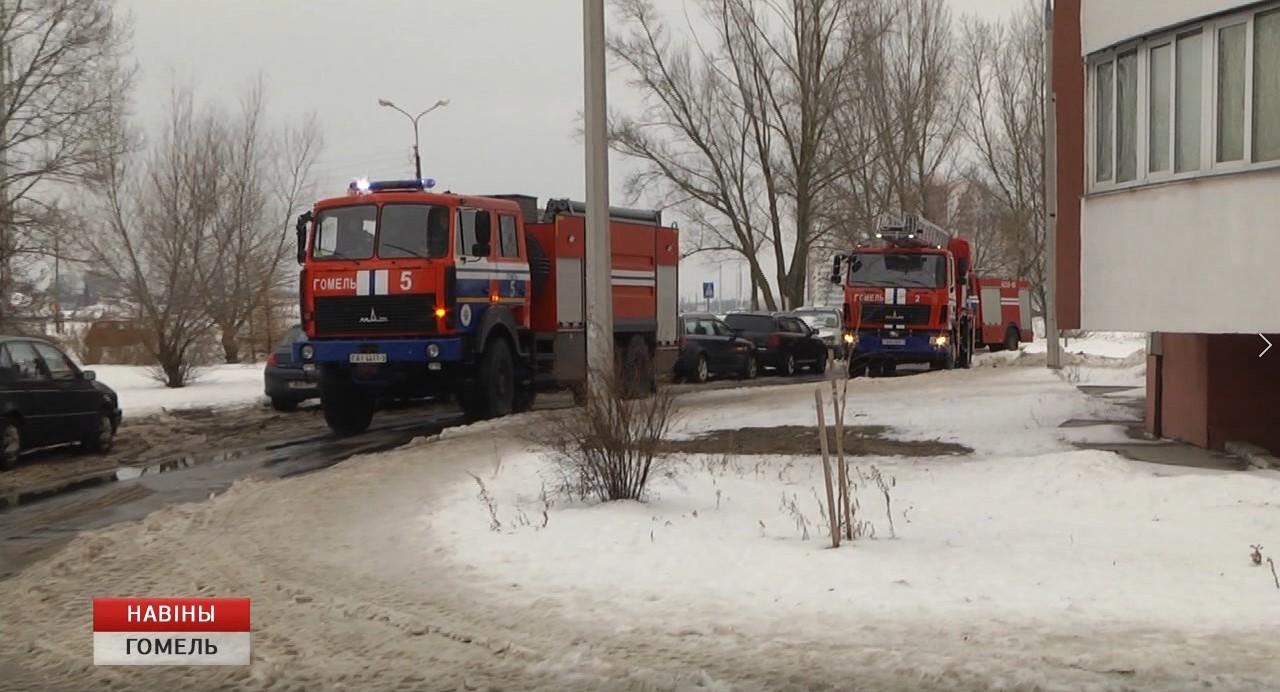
[
  {"x": 419, "y": 293},
  {"x": 913, "y": 298}
]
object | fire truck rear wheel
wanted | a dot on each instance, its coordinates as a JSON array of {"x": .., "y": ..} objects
[
  {"x": 493, "y": 395},
  {"x": 348, "y": 408}
]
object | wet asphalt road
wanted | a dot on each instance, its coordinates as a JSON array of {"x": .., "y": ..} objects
[{"x": 32, "y": 531}]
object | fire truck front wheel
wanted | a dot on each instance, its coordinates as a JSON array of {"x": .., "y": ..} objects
[
  {"x": 493, "y": 393},
  {"x": 348, "y": 407}
]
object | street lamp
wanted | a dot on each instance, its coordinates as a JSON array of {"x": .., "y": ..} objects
[{"x": 417, "y": 160}]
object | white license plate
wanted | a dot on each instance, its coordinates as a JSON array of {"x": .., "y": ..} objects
[
  {"x": 895, "y": 342},
  {"x": 300, "y": 385},
  {"x": 368, "y": 358},
  {"x": 308, "y": 366}
]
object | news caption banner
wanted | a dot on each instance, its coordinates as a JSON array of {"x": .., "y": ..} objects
[{"x": 171, "y": 631}]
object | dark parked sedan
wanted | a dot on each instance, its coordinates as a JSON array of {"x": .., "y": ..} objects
[
  {"x": 47, "y": 400},
  {"x": 709, "y": 348},
  {"x": 286, "y": 382},
  {"x": 783, "y": 341}
]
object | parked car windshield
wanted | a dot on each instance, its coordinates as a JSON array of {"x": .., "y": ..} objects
[
  {"x": 898, "y": 270},
  {"x": 293, "y": 335},
  {"x": 821, "y": 320},
  {"x": 705, "y": 326},
  {"x": 750, "y": 323}
]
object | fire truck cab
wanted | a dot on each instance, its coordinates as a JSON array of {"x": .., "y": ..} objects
[
  {"x": 415, "y": 293},
  {"x": 905, "y": 299}
]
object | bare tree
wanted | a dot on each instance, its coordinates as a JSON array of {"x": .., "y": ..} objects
[
  {"x": 264, "y": 174},
  {"x": 900, "y": 121},
  {"x": 1004, "y": 86},
  {"x": 734, "y": 126},
  {"x": 157, "y": 212},
  {"x": 62, "y": 79}
]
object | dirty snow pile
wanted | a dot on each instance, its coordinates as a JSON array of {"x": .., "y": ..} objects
[{"x": 217, "y": 386}]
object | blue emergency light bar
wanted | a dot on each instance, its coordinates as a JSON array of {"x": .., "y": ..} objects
[{"x": 366, "y": 185}]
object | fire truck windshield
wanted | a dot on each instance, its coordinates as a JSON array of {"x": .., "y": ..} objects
[
  {"x": 406, "y": 230},
  {"x": 898, "y": 270}
]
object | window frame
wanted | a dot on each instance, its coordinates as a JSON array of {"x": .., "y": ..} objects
[
  {"x": 503, "y": 220},
  {"x": 72, "y": 369},
  {"x": 1208, "y": 30}
]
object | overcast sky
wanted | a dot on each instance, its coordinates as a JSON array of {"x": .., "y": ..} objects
[{"x": 511, "y": 68}]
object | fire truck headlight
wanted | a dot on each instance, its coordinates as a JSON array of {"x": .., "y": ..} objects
[
  {"x": 307, "y": 352},
  {"x": 939, "y": 340},
  {"x": 848, "y": 338},
  {"x": 433, "y": 350},
  {"x": 440, "y": 312}
]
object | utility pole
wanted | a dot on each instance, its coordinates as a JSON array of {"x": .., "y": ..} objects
[
  {"x": 599, "y": 290},
  {"x": 1054, "y": 356},
  {"x": 417, "y": 158}
]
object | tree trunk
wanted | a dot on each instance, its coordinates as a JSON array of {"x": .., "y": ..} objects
[{"x": 230, "y": 346}]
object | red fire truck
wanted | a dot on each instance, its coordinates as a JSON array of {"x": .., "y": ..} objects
[
  {"x": 419, "y": 293},
  {"x": 913, "y": 299}
]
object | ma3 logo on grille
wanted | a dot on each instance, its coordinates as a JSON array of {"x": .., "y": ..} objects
[{"x": 373, "y": 318}]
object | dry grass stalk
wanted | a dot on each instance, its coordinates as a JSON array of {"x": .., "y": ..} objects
[{"x": 834, "y": 516}]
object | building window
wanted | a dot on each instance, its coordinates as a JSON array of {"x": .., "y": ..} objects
[
  {"x": 1189, "y": 90},
  {"x": 1266, "y": 86},
  {"x": 1201, "y": 99},
  {"x": 1231, "y": 86},
  {"x": 1160, "y": 114},
  {"x": 1127, "y": 117},
  {"x": 1105, "y": 120}
]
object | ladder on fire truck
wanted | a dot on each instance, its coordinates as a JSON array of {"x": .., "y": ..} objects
[{"x": 911, "y": 230}]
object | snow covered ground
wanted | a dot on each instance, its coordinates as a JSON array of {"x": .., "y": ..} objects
[
  {"x": 1026, "y": 565},
  {"x": 217, "y": 386}
]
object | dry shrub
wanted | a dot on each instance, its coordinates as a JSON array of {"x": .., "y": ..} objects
[{"x": 611, "y": 447}]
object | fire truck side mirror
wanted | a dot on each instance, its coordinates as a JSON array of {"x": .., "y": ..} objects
[
  {"x": 835, "y": 269},
  {"x": 484, "y": 234},
  {"x": 303, "y": 220},
  {"x": 962, "y": 270}
]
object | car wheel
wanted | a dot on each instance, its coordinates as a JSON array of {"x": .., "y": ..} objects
[
  {"x": 701, "y": 372},
  {"x": 820, "y": 367},
  {"x": 284, "y": 404},
  {"x": 10, "y": 443},
  {"x": 789, "y": 366},
  {"x": 751, "y": 369},
  {"x": 103, "y": 437}
]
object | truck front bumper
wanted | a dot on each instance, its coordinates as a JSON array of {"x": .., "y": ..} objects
[
  {"x": 379, "y": 351},
  {"x": 912, "y": 347}
]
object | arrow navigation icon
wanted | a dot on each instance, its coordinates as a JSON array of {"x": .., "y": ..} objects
[{"x": 1268, "y": 348}]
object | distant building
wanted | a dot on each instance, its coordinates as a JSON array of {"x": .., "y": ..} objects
[{"x": 1168, "y": 162}]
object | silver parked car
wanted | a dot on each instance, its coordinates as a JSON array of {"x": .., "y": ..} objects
[{"x": 828, "y": 322}]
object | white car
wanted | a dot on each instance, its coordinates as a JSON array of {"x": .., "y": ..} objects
[{"x": 828, "y": 323}]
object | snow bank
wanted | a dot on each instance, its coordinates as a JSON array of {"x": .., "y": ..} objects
[
  {"x": 217, "y": 386},
  {"x": 1079, "y": 536},
  {"x": 1027, "y": 529}
]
